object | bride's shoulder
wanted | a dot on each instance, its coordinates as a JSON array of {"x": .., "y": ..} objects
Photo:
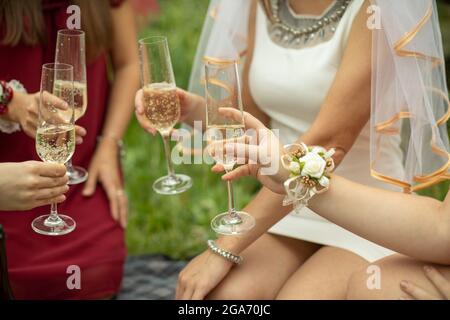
[{"x": 358, "y": 15}]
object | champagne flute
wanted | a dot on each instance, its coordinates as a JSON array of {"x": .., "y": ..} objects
[
  {"x": 70, "y": 49},
  {"x": 222, "y": 89},
  {"x": 161, "y": 105},
  {"x": 55, "y": 136}
]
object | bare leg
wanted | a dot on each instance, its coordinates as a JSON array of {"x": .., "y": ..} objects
[
  {"x": 393, "y": 269},
  {"x": 324, "y": 275},
  {"x": 269, "y": 262}
]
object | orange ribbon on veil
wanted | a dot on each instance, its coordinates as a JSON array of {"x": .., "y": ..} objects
[{"x": 386, "y": 127}]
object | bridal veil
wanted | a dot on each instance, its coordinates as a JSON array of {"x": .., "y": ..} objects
[
  {"x": 410, "y": 102},
  {"x": 409, "y": 105}
]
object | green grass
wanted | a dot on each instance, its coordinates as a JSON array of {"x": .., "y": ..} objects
[
  {"x": 178, "y": 226},
  {"x": 174, "y": 225}
]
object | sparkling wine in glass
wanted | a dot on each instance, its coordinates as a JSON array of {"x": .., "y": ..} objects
[
  {"x": 70, "y": 49},
  {"x": 222, "y": 89},
  {"x": 55, "y": 137},
  {"x": 161, "y": 105}
]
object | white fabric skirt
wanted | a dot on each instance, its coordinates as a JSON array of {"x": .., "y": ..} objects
[{"x": 311, "y": 227}]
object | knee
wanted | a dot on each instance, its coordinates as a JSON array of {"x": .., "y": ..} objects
[
  {"x": 363, "y": 285},
  {"x": 380, "y": 280}
]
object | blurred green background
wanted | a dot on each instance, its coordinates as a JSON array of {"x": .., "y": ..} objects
[{"x": 178, "y": 226}]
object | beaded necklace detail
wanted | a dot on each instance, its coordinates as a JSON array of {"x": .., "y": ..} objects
[{"x": 293, "y": 31}]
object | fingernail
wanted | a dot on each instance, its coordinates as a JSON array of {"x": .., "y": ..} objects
[
  {"x": 79, "y": 140},
  {"x": 428, "y": 269}
]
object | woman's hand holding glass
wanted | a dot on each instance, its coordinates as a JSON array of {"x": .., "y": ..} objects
[
  {"x": 24, "y": 111},
  {"x": 258, "y": 152},
  {"x": 55, "y": 136},
  {"x": 223, "y": 89},
  {"x": 31, "y": 184},
  {"x": 189, "y": 104},
  {"x": 161, "y": 106},
  {"x": 70, "y": 49}
]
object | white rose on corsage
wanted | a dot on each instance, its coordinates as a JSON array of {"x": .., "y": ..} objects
[
  {"x": 314, "y": 165},
  {"x": 294, "y": 167},
  {"x": 310, "y": 169}
]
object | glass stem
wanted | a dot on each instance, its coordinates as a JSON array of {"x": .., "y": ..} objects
[
  {"x": 53, "y": 212},
  {"x": 231, "y": 210},
  {"x": 167, "y": 151},
  {"x": 69, "y": 165}
]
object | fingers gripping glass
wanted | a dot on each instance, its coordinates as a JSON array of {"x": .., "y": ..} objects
[
  {"x": 70, "y": 49},
  {"x": 222, "y": 89},
  {"x": 55, "y": 136},
  {"x": 161, "y": 105}
]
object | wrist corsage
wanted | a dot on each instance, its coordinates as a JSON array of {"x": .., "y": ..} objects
[
  {"x": 310, "y": 172},
  {"x": 6, "y": 95}
]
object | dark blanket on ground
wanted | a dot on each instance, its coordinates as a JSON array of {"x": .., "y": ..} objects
[{"x": 150, "y": 277}]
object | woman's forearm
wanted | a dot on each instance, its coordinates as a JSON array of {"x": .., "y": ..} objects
[
  {"x": 120, "y": 109},
  {"x": 342, "y": 115},
  {"x": 267, "y": 208},
  {"x": 125, "y": 61},
  {"x": 413, "y": 225}
]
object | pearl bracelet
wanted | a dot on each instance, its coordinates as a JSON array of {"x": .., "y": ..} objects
[{"x": 223, "y": 253}]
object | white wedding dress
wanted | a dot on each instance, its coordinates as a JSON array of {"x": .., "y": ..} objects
[{"x": 290, "y": 85}]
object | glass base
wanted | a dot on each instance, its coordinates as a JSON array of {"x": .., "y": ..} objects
[
  {"x": 228, "y": 225},
  {"x": 58, "y": 227},
  {"x": 77, "y": 175},
  {"x": 176, "y": 184}
]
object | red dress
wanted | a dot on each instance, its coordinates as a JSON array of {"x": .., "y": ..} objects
[
  {"x": 144, "y": 7},
  {"x": 38, "y": 264}
]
